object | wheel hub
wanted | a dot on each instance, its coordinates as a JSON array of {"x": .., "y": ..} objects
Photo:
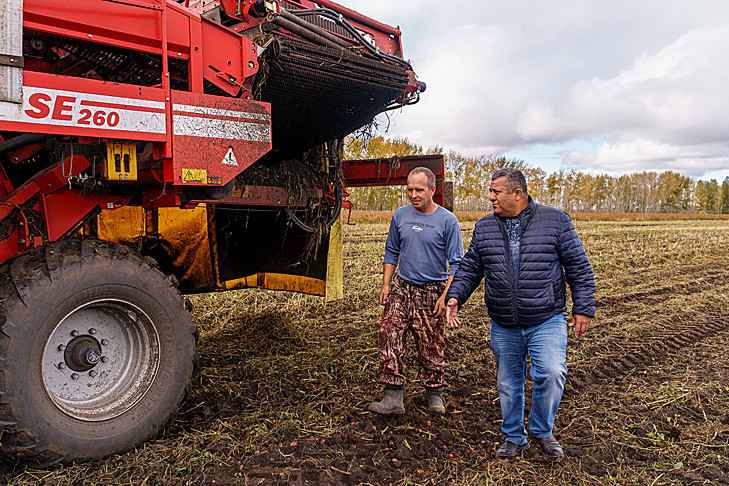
[
  {"x": 82, "y": 353},
  {"x": 101, "y": 360}
]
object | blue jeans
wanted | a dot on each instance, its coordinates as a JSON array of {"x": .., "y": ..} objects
[{"x": 547, "y": 346}]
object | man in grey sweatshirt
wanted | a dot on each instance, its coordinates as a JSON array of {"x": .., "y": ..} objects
[{"x": 423, "y": 240}]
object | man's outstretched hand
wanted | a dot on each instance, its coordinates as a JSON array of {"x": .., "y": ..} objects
[
  {"x": 580, "y": 323},
  {"x": 452, "y": 313}
]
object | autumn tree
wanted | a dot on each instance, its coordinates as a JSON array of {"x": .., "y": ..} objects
[
  {"x": 643, "y": 192},
  {"x": 725, "y": 196}
]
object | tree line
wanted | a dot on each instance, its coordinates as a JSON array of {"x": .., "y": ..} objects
[{"x": 572, "y": 191}]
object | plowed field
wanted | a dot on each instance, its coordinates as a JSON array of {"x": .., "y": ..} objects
[{"x": 280, "y": 392}]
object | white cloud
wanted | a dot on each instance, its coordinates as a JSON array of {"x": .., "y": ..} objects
[
  {"x": 677, "y": 94},
  {"x": 459, "y": 102},
  {"x": 668, "y": 111},
  {"x": 648, "y": 78},
  {"x": 635, "y": 155}
]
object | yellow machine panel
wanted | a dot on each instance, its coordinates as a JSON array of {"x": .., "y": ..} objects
[
  {"x": 185, "y": 242},
  {"x": 121, "y": 162}
]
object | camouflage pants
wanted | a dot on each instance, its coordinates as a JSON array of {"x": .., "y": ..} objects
[{"x": 410, "y": 308}]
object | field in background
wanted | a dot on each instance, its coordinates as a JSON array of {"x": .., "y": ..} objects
[
  {"x": 465, "y": 216},
  {"x": 283, "y": 381}
]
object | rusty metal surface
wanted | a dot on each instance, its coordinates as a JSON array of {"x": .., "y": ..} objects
[
  {"x": 185, "y": 232},
  {"x": 176, "y": 238}
]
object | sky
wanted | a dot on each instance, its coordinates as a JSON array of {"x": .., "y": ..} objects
[{"x": 598, "y": 86}]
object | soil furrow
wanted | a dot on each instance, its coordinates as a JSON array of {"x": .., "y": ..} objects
[{"x": 614, "y": 362}]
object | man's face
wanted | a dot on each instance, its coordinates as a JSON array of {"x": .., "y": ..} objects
[
  {"x": 421, "y": 196},
  {"x": 506, "y": 204}
]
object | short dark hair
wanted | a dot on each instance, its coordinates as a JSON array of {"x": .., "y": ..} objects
[
  {"x": 514, "y": 179},
  {"x": 428, "y": 173}
]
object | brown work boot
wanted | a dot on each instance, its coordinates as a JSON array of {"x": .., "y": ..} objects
[
  {"x": 435, "y": 400},
  {"x": 549, "y": 446},
  {"x": 510, "y": 449},
  {"x": 391, "y": 403}
]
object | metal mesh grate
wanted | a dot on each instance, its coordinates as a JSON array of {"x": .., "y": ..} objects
[{"x": 320, "y": 94}]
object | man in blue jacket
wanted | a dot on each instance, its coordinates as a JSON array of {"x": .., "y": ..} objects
[{"x": 525, "y": 251}]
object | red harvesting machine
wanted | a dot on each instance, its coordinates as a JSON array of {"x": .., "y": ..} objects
[{"x": 153, "y": 147}]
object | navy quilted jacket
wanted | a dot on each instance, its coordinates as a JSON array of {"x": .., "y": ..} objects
[{"x": 549, "y": 244}]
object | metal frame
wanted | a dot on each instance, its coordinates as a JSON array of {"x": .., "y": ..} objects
[
  {"x": 11, "y": 51},
  {"x": 385, "y": 37},
  {"x": 197, "y": 139},
  {"x": 201, "y": 140},
  {"x": 394, "y": 171}
]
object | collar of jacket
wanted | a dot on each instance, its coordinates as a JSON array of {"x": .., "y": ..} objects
[{"x": 525, "y": 214}]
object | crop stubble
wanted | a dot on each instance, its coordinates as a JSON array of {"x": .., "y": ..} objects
[{"x": 283, "y": 380}]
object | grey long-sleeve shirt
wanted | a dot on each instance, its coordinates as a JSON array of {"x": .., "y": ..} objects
[{"x": 424, "y": 245}]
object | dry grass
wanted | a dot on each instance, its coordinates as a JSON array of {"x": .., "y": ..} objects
[
  {"x": 647, "y": 401},
  {"x": 368, "y": 217},
  {"x": 646, "y": 216}
]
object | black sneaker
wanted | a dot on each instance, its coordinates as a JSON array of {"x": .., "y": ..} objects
[
  {"x": 550, "y": 447},
  {"x": 509, "y": 449}
]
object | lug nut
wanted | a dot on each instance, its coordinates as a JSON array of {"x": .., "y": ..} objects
[
  {"x": 61, "y": 366},
  {"x": 74, "y": 376},
  {"x": 104, "y": 359},
  {"x": 104, "y": 342},
  {"x": 74, "y": 333},
  {"x": 61, "y": 347},
  {"x": 92, "y": 331},
  {"x": 92, "y": 373}
]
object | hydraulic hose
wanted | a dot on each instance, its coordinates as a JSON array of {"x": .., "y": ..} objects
[
  {"x": 304, "y": 32},
  {"x": 338, "y": 195},
  {"x": 20, "y": 141},
  {"x": 340, "y": 20},
  {"x": 314, "y": 28}
]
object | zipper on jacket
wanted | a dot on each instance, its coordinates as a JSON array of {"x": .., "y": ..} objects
[
  {"x": 525, "y": 218},
  {"x": 510, "y": 269}
]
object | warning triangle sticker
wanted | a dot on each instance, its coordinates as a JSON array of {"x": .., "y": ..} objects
[{"x": 230, "y": 159}]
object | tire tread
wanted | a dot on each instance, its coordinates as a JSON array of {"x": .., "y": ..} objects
[{"x": 18, "y": 277}]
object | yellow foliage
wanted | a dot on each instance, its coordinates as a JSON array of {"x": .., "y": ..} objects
[{"x": 573, "y": 191}]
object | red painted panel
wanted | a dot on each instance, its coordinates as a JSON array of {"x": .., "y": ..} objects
[
  {"x": 61, "y": 208},
  {"x": 64, "y": 208},
  {"x": 132, "y": 24},
  {"x": 389, "y": 172},
  {"x": 85, "y": 107},
  {"x": 227, "y": 57},
  {"x": 217, "y": 138}
]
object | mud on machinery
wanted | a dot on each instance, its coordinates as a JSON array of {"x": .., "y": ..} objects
[{"x": 149, "y": 148}]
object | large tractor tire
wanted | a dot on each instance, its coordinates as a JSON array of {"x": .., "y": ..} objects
[{"x": 96, "y": 352}]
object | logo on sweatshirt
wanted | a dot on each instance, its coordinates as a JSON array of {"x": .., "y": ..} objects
[{"x": 417, "y": 226}]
